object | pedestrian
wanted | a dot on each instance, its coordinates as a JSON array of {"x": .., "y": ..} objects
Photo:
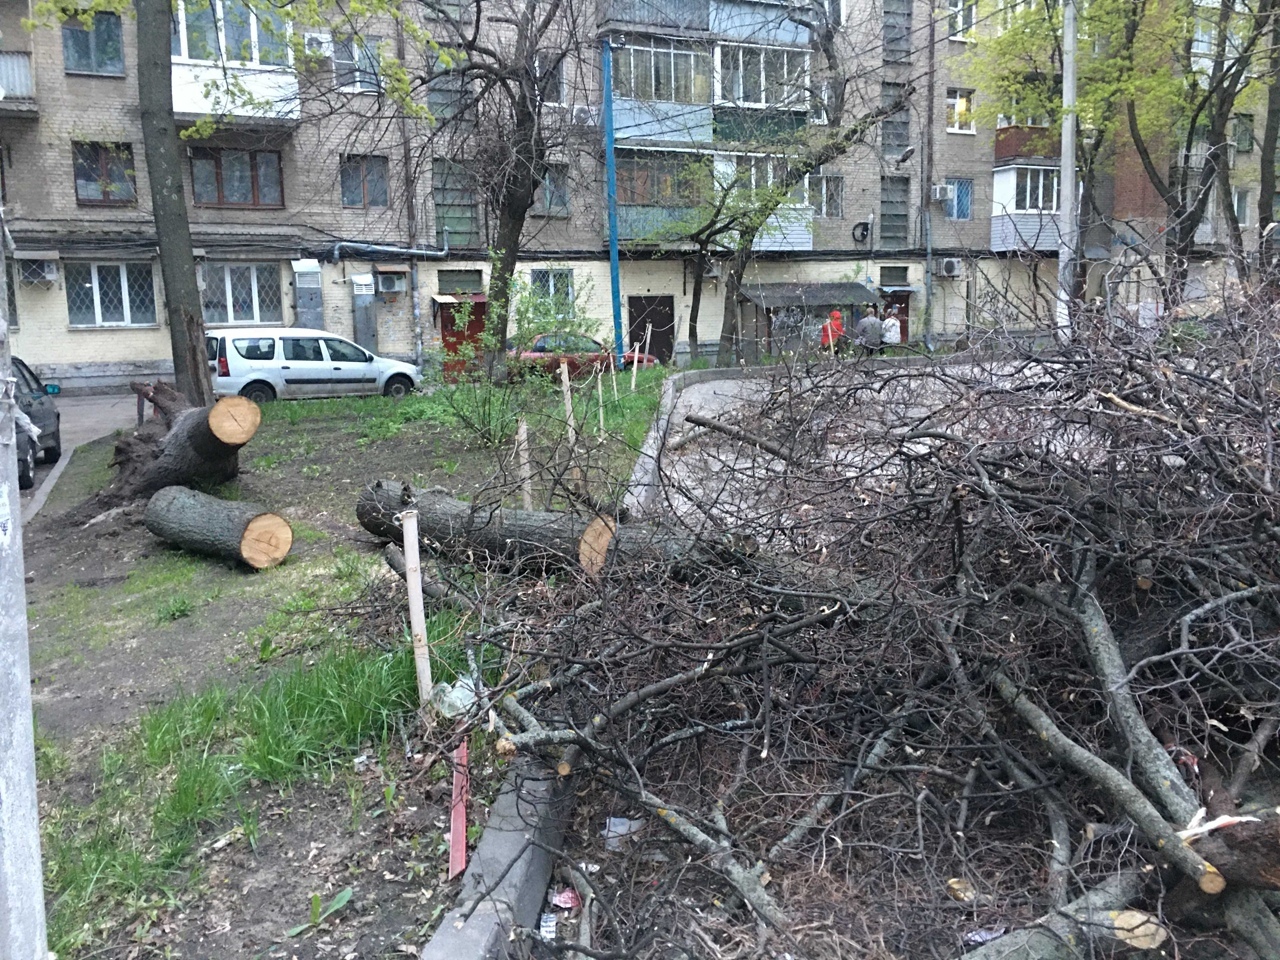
[
  {"x": 891, "y": 332},
  {"x": 833, "y": 333},
  {"x": 868, "y": 334}
]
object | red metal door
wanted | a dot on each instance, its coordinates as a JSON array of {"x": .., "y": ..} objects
[{"x": 461, "y": 327}]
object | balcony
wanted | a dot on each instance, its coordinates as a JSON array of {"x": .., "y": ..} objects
[
  {"x": 641, "y": 223},
  {"x": 17, "y": 83},
  {"x": 261, "y": 95},
  {"x": 671, "y": 14},
  {"x": 1024, "y": 142}
]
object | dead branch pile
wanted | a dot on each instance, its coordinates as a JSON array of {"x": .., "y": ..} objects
[{"x": 1062, "y": 703}]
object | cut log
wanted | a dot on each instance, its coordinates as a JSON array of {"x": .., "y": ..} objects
[
  {"x": 1099, "y": 916},
  {"x": 1247, "y": 854},
  {"x": 565, "y": 539},
  {"x": 220, "y": 528},
  {"x": 432, "y": 589}
]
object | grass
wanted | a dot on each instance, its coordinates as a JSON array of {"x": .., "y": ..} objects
[{"x": 125, "y": 856}]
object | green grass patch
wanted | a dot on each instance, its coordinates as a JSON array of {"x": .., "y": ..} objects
[
  {"x": 128, "y": 851},
  {"x": 174, "y": 608},
  {"x": 88, "y": 472}
]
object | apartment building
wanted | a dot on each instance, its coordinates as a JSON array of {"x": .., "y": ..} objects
[{"x": 316, "y": 201}]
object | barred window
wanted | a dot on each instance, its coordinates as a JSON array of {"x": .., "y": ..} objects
[
  {"x": 110, "y": 294},
  {"x": 242, "y": 293},
  {"x": 960, "y": 205}
]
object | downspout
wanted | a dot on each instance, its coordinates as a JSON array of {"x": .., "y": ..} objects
[{"x": 411, "y": 210}]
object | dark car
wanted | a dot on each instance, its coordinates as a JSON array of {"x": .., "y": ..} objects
[
  {"x": 35, "y": 399},
  {"x": 580, "y": 353}
]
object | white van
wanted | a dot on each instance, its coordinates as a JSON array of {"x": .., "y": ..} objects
[{"x": 288, "y": 363}]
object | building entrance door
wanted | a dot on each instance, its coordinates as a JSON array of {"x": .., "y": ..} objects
[{"x": 658, "y": 313}]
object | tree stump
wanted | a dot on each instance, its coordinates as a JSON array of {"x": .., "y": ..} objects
[{"x": 220, "y": 528}]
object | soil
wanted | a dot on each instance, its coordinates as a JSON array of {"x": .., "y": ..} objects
[{"x": 120, "y": 622}]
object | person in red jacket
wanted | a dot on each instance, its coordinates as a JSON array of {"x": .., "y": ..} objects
[{"x": 833, "y": 333}]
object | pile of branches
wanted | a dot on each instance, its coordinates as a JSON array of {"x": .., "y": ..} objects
[{"x": 921, "y": 659}]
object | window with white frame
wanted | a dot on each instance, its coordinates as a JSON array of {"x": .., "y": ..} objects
[
  {"x": 753, "y": 172},
  {"x": 242, "y": 293},
  {"x": 357, "y": 63},
  {"x": 1036, "y": 190},
  {"x": 764, "y": 76},
  {"x": 826, "y": 194},
  {"x": 834, "y": 9},
  {"x": 1017, "y": 119},
  {"x": 552, "y": 198},
  {"x": 549, "y": 70},
  {"x": 556, "y": 285},
  {"x": 229, "y": 31},
  {"x": 1243, "y": 204},
  {"x": 960, "y": 18},
  {"x": 110, "y": 294},
  {"x": 664, "y": 70},
  {"x": 959, "y": 205},
  {"x": 959, "y": 111}
]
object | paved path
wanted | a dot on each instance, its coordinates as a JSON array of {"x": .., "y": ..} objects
[{"x": 83, "y": 419}]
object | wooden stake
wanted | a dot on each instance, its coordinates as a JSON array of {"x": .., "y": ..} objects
[
  {"x": 458, "y": 811},
  {"x": 568, "y": 402},
  {"x": 613, "y": 375},
  {"x": 635, "y": 365},
  {"x": 522, "y": 457},
  {"x": 417, "y": 613},
  {"x": 600, "y": 398}
]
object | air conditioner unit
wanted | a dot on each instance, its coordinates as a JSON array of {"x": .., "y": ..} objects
[
  {"x": 392, "y": 283},
  {"x": 948, "y": 267},
  {"x": 942, "y": 192},
  {"x": 584, "y": 116},
  {"x": 38, "y": 271},
  {"x": 317, "y": 44}
]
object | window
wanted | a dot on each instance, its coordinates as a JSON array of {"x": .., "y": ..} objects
[
  {"x": 959, "y": 111},
  {"x": 893, "y": 276},
  {"x": 826, "y": 194},
  {"x": 236, "y": 178},
  {"x": 205, "y": 29},
  {"x": 259, "y": 348},
  {"x": 1036, "y": 190},
  {"x": 552, "y": 199},
  {"x": 364, "y": 181},
  {"x": 1242, "y": 203},
  {"x": 555, "y": 285},
  {"x": 302, "y": 349},
  {"x": 894, "y": 215},
  {"x": 763, "y": 76},
  {"x": 454, "y": 191},
  {"x": 446, "y": 93},
  {"x": 460, "y": 281},
  {"x": 11, "y": 289},
  {"x": 104, "y": 173},
  {"x": 1021, "y": 120},
  {"x": 95, "y": 49},
  {"x": 549, "y": 70},
  {"x": 356, "y": 63},
  {"x": 110, "y": 294},
  {"x": 960, "y": 16},
  {"x": 651, "y": 179},
  {"x": 1242, "y": 132},
  {"x": 896, "y": 39},
  {"x": 656, "y": 69},
  {"x": 757, "y": 172},
  {"x": 834, "y": 9},
  {"x": 242, "y": 293},
  {"x": 342, "y": 352},
  {"x": 960, "y": 205},
  {"x": 895, "y": 129}
]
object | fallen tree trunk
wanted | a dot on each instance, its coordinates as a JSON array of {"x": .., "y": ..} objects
[
  {"x": 431, "y": 589},
  {"x": 220, "y": 528},
  {"x": 593, "y": 544},
  {"x": 1098, "y": 918}
]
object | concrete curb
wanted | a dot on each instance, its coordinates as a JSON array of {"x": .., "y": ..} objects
[
  {"x": 38, "y": 500},
  {"x": 506, "y": 881}
]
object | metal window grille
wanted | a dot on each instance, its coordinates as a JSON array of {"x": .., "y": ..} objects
[
  {"x": 242, "y": 293},
  {"x": 960, "y": 206},
  {"x": 110, "y": 294}
]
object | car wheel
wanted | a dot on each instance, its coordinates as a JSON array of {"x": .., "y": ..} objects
[
  {"x": 53, "y": 452},
  {"x": 398, "y": 386},
  {"x": 27, "y": 466},
  {"x": 259, "y": 392}
]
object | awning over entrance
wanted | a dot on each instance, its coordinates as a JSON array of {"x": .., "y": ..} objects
[
  {"x": 770, "y": 295},
  {"x": 459, "y": 298}
]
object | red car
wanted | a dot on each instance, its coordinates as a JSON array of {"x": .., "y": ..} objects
[{"x": 582, "y": 354}]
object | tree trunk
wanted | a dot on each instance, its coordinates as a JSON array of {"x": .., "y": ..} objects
[
  {"x": 732, "y": 285},
  {"x": 695, "y": 303},
  {"x": 230, "y": 529},
  {"x": 1267, "y": 157},
  {"x": 593, "y": 544},
  {"x": 168, "y": 202}
]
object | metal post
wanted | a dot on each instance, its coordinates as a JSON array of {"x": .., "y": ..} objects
[
  {"x": 611, "y": 192},
  {"x": 22, "y": 929},
  {"x": 1068, "y": 221},
  {"x": 926, "y": 188}
]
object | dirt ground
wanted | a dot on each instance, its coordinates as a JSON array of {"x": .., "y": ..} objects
[{"x": 120, "y": 623}]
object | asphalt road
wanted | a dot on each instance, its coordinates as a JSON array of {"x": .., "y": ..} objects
[{"x": 85, "y": 419}]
